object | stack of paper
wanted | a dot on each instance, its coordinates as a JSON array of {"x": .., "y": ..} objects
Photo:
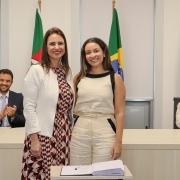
[{"x": 108, "y": 168}]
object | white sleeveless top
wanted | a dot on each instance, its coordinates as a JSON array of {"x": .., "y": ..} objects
[{"x": 95, "y": 95}]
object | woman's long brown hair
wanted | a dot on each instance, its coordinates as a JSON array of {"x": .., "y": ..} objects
[
  {"x": 85, "y": 66},
  {"x": 45, "y": 61}
]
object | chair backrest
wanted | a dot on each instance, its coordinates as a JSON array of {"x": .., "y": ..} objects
[{"x": 176, "y": 101}]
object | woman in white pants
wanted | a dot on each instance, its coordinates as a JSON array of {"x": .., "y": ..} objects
[{"x": 97, "y": 135}]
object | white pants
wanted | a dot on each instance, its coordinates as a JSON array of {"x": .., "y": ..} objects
[{"x": 92, "y": 139}]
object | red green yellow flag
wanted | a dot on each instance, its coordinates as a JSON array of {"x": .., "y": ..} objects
[
  {"x": 115, "y": 46},
  {"x": 37, "y": 40}
]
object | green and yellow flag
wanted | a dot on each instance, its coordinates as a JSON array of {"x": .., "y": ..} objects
[
  {"x": 37, "y": 40},
  {"x": 115, "y": 46}
]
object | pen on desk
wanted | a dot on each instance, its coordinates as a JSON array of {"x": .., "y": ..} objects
[{"x": 77, "y": 167}]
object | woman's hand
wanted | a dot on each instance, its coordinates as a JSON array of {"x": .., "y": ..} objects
[
  {"x": 116, "y": 150},
  {"x": 35, "y": 146}
]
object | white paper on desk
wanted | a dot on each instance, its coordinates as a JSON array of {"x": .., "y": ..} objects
[
  {"x": 109, "y": 168},
  {"x": 71, "y": 170}
]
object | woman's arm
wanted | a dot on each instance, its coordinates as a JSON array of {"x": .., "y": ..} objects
[
  {"x": 75, "y": 87},
  {"x": 32, "y": 85},
  {"x": 119, "y": 105}
]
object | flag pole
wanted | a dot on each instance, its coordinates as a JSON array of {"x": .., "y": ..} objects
[
  {"x": 39, "y": 2},
  {"x": 113, "y": 5}
]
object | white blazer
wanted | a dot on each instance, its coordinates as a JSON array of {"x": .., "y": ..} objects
[
  {"x": 41, "y": 94},
  {"x": 178, "y": 116}
]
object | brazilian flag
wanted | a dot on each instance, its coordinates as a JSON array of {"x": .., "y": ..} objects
[{"x": 115, "y": 46}]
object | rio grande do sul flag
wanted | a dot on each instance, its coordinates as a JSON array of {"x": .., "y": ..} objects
[
  {"x": 37, "y": 40},
  {"x": 115, "y": 46}
]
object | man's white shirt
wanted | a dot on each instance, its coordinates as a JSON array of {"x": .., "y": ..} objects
[{"x": 6, "y": 122}]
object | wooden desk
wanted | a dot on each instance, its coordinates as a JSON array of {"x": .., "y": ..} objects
[
  {"x": 3, "y": 130},
  {"x": 55, "y": 175},
  {"x": 150, "y": 154},
  {"x": 11, "y": 145}
]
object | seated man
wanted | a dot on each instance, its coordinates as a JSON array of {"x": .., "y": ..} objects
[
  {"x": 178, "y": 116},
  {"x": 11, "y": 103}
]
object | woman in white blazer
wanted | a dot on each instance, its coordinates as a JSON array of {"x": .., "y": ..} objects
[
  {"x": 48, "y": 103},
  {"x": 178, "y": 116}
]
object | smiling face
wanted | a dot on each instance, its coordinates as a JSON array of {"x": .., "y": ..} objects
[
  {"x": 94, "y": 54},
  {"x": 55, "y": 47},
  {"x": 5, "y": 83}
]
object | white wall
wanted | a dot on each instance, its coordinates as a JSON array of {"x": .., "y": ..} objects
[
  {"x": 17, "y": 26},
  {"x": 171, "y": 77},
  {"x": 136, "y": 19},
  {"x": 167, "y": 61}
]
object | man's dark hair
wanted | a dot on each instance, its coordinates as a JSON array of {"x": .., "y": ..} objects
[{"x": 7, "y": 71}]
